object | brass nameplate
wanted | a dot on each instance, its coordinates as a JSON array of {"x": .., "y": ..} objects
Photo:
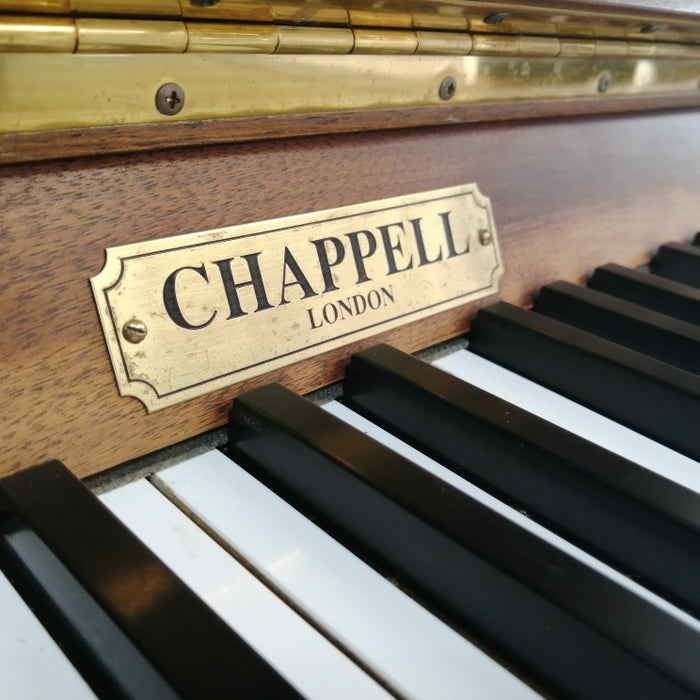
[{"x": 185, "y": 315}]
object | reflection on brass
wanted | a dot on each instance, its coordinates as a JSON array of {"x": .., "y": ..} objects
[
  {"x": 240, "y": 10},
  {"x": 383, "y": 42},
  {"x": 577, "y": 48},
  {"x": 518, "y": 23},
  {"x": 610, "y": 49},
  {"x": 313, "y": 40},
  {"x": 41, "y": 6},
  {"x": 45, "y": 34},
  {"x": 538, "y": 46},
  {"x": 226, "y": 305},
  {"x": 132, "y": 36},
  {"x": 67, "y": 90},
  {"x": 444, "y": 18},
  {"x": 382, "y": 17},
  {"x": 604, "y": 21},
  {"x": 289, "y": 11},
  {"x": 227, "y": 38},
  {"x": 443, "y": 43},
  {"x": 127, "y": 8},
  {"x": 493, "y": 44}
]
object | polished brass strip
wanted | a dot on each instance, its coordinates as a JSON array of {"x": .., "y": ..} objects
[
  {"x": 494, "y": 45},
  {"x": 538, "y": 46},
  {"x": 515, "y": 19},
  {"x": 128, "y": 8},
  {"x": 444, "y": 43},
  {"x": 605, "y": 48},
  {"x": 449, "y": 19},
  {"x": 382, "y": 18},
  {"x": 105, "y": 35},
  {"x": 130, "y": 36},
  {"x": 314, "y": 40},
  {"x": 205, "y": 37},
  {"x": 577, "y": 48},
  {"x": 380, "y": 41},
  {"x": 55, "y": 7},
  {"x": 47, "y": 34},
  {"x": 250, "y": 11},
  {"x": 77, "y": 90},
  {"x": 300, "y": 12}
]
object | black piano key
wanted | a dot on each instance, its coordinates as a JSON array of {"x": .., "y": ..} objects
[
  {"x": 638, "y": 391},
  {"x": 696, "y": 239},
  {"x": 636, "y": 327},
  {"x": 130, "y": 626},
  {"x": 637, "y": 520},
  {"x": 97, "y": 648},
  {"x": 657, "y": 293},
  {"x": 679, "y": 262},
  {"x": 561, "y": 623}
]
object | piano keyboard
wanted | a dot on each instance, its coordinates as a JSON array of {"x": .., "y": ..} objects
[{"x": 354, "y": 564}]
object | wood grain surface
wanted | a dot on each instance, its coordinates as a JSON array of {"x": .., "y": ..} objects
[{"x": 566, "y": 194}]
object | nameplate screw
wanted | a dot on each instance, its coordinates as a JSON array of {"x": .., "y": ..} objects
[
  {"x": 134, "y": 330},
  {"x": 485, "y": 236}
]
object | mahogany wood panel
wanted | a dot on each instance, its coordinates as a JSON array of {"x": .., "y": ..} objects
[
  {"x": 566, "y": 194},
  {"x": 25, "y": 147}
]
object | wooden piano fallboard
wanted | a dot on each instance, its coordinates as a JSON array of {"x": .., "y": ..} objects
[
  {"x": 567, "y": 195},
  {"x": 575, "y": 179}
]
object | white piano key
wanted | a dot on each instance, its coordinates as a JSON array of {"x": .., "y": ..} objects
[
  {"x": 314, "y": 666},
  {"x": 31, "y": 663},
  {"x": 417, "y": 654},
  {"x": 572, "y": 416},
  {"x": 394, "y": 443}
]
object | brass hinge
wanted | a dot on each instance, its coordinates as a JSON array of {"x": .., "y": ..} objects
[{"x": 37, "y": 34}]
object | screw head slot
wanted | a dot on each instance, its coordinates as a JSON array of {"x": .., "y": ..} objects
[
  {"x": 497, "y": 17},
  {"x": 448, "y": 87},
  {"x": 134, "y": 331},
  {"x": 170, "y": 99}
]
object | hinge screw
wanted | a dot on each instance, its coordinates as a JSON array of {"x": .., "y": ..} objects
[
  {"x": 170, "y": 99},
  {"x": 448, "y": 87},
  {"x": 604, "y": 82},
  {"x": 134, "y": 330},
  {"x": 497, "y": 17},
  {"x": 484, "y": 236}
]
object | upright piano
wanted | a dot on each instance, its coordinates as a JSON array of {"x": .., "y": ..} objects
[{"x": 350, "y": 348}]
